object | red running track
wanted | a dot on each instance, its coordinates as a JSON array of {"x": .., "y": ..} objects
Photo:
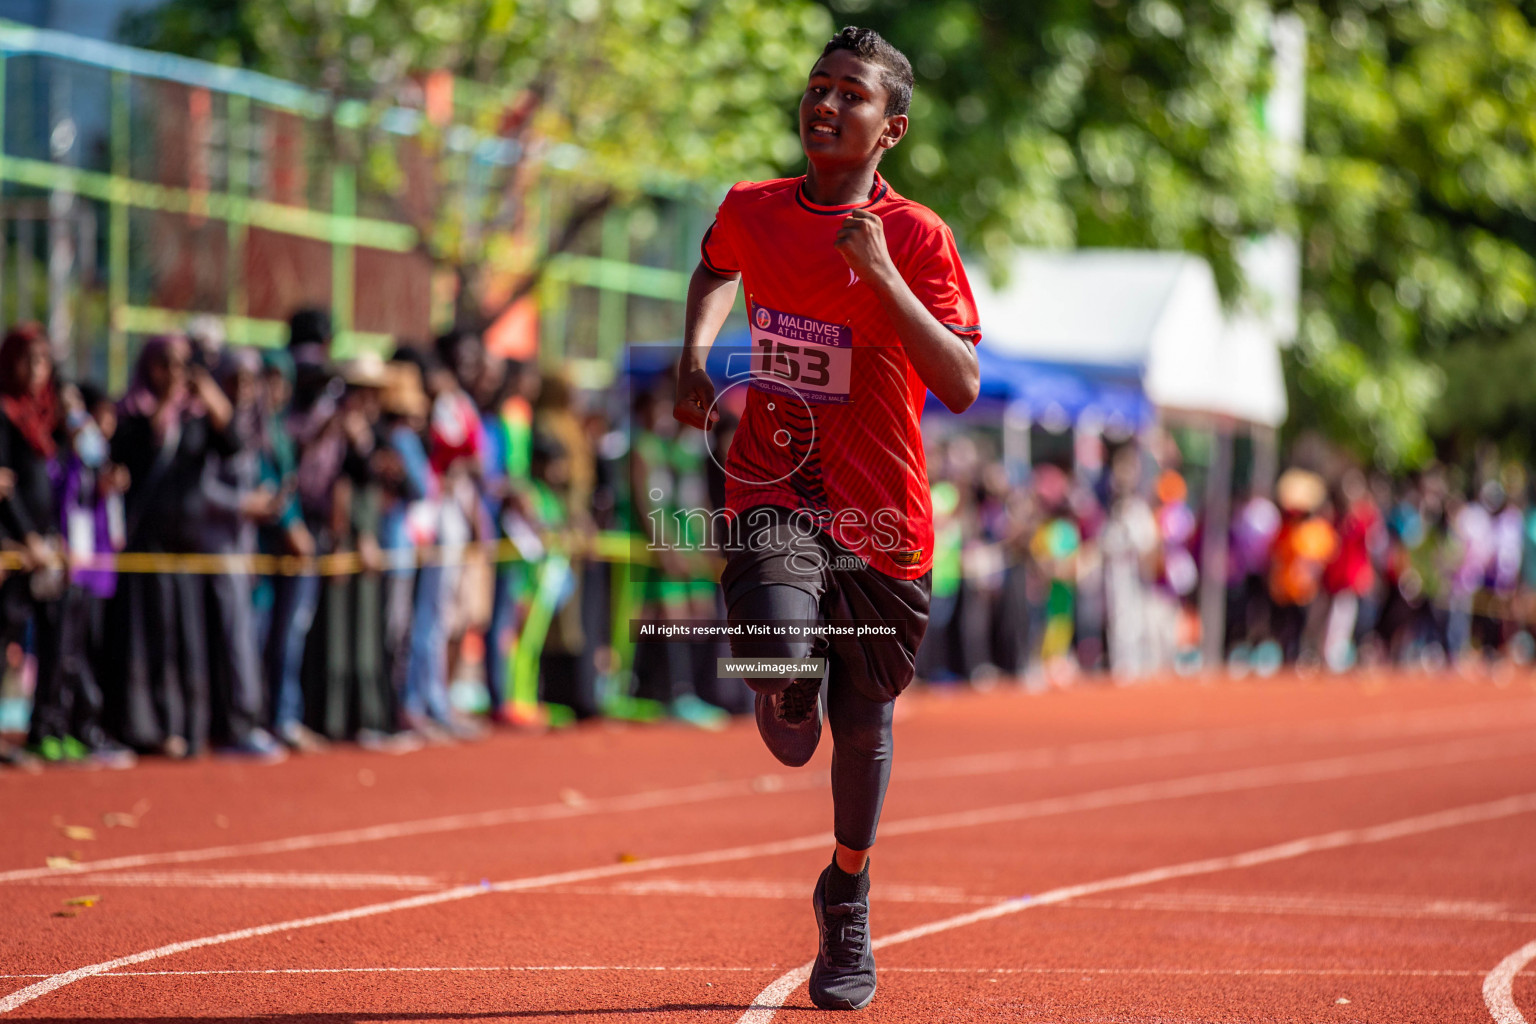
[{"x": 1298, "y": 850}]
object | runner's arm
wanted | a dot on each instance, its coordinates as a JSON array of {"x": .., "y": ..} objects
[
  {"x": 945, "y": 361},
  {"x": 710, "y": 297}
]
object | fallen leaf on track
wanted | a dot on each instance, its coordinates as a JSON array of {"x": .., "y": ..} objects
[
  {"x": 116, "y": 819},
  {"x": 61, "y": 863},
  {"x": 627, "y": 858},
  {"x": 572, "y": 798},
  {"x": 66, "y": 913},
  {"x": 82, "y": 901},
  {"x": 79, "y": 833}
]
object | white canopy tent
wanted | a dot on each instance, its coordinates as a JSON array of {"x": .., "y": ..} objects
[
  {"x": 1156, "y": 311},
  {"x": 1155, "y": 317}
]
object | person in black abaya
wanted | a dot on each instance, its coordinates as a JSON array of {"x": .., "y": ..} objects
[
  {"x": 173, "y": 417},
  {"x": 30, "y": 433}
]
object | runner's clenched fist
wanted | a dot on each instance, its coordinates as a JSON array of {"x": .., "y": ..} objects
[
  {"x": 861, "y": 240},
  {"x": 695, "y": 399}
]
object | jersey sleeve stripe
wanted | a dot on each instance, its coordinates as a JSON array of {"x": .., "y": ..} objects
[{"x": 704, "y": 255}]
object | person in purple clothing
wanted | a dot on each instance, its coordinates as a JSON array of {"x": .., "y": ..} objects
[
  {"x": 1254, "y": 525},
  {"x": 91, "y": 487},
  {"x": 35, "y": 446},
  {"x": 89, "y": 491}
]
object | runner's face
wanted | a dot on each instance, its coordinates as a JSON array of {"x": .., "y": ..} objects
[{"x": 842, "y": 114}]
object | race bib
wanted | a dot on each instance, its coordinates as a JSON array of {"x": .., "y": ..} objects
[{"x": 795, "y": 355}]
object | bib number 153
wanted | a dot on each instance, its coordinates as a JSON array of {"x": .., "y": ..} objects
[{"x": 797, "y": 364}]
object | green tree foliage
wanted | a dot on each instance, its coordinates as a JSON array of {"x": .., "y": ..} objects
[
  {"x": 1138, "y": 123},
  {"x": 1487, "y": 395},
  {"x": 1417, "y": 196},
  {"x": 618, "y": 94},
  {"x": 1058, "y": 122},
  {"x": 1069, "y": 122},
  {"x": 211, "y": 30}
]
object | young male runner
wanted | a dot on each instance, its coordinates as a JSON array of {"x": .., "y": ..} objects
[{"x": 858, "y": 306}]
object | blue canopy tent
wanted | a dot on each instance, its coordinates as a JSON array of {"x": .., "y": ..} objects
[
  {"x": 1060, "y": 394},
  {"x": 1047, "y": 391},
  {"x": 645, "y": 362}
]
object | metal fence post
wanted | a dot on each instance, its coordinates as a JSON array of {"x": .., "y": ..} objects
[
  {"x": 4, "y": 67},
  {"x": 343, "y": 209},
  {"x": 237, "y": 141},
  {"x": 117, "y": 239},
  {"x": 61, "y": 208}
]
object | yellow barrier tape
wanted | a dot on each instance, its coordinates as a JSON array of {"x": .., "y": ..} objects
[{"x": 604, "y": 547}]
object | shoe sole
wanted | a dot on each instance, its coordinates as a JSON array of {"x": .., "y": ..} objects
[{"x": 760, "y": 708}]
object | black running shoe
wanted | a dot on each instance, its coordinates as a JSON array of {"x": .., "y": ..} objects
[
  {"x": 843, "y": 974},
  {"x": 790, "y": 721}
]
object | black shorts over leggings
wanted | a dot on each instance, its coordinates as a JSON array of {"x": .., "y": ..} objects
[{"x": 780, "y": 570}]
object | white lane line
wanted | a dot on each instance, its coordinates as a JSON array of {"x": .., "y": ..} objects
[
  {"x": 240, "y": 880},
  {"x": 1242, "y": 779},
  {"x": 556, "y": 968},
  {"x": 1193, "y": 972},
  {"x": 1400, "y": 907},
  {"x": 1280, "y": 904},
  {"x": 1278, "y": 972},
  {"x": 1390, "y": 725},
  {"x": 1220, "y": 782},
  {"x": 406, "y": 829},
  {"x": 23, "y": 996},
  {"x": 771, "y": 998},
  {"x": 1499, "y": 985},
  {"x": 763, "y": 889},
  {"x": 1432, "y": 721}
]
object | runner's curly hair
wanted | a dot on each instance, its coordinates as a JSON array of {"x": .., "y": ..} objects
[{"x": 870, "y": 46}]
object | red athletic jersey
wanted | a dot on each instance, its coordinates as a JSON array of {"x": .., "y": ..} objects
[{"x": 833, "y": 406}]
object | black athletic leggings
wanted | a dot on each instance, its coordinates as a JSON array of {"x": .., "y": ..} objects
[{"x": 861, "y": 728}]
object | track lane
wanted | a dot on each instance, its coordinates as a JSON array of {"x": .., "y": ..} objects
[
  {"x": 767, "y": 1002},
  {"x": 1033, "y": 780},
  {"x": 359, "y": 784},
  {"x": 1186, "y": 977},
  {"x": 1425, "y": 758},
  {"x": 573, "y": 846}
]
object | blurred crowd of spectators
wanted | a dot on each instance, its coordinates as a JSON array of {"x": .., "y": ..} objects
[
  {"x": 400, "y": 512},
  {"x": 1325, "y": 569},
  {"x": 255, "y": 552}
]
